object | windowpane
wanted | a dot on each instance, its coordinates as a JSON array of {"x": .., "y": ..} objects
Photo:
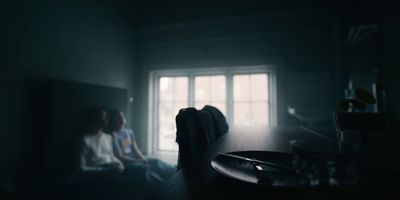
[
  {"x": 241, "y": 87},
  {"x": 166, "y": 88},
  {"x": 177, "y": 106},
  {"x": 218, "y": 88},
  {"x": 166, "y": 140},
  {"x": 202, "y": 88},
  {"x": 210, "y": 90},
  {"x": 259, "y": 112},
  {"x": 200, "y": 104},
  {"x": 259, "y": 87},
  {"x": 181, "y": 89},
  {"x": 167, "y": 130},
  {"x": 173, "y": 96},
  {"x": 241, "y": 114},
  {"x": 220, "y": 105},
  {"x": 165, "y": 113}
]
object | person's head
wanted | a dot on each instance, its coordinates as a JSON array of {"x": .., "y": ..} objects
[
  {"x": 117, "y": 120},
  {"x": 96, "y": 118}
]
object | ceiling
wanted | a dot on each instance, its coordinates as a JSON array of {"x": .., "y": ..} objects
[{"x": 153, "y": 12}]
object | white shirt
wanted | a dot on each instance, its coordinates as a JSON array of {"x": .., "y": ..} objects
[{"x": 96, "y": 150}]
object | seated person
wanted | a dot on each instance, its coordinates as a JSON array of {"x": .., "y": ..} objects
[
  {"x": 95, "y": 147},
  {"x": 101, "y": 175},
  {"x": 96, "y": 154},
  {"x": 127, "y": 150}
]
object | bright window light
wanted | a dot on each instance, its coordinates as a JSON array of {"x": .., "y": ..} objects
[
  {"x": 210, "y": 90},
  {"x": 250, "y": 100},
  {"x": 246, "y": 96},
  {"x": 173, "y": 95}
]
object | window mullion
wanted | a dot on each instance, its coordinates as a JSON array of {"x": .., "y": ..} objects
[
  {"x": 250, "y": 101},
  {"x": 156, "y": 125},
  {"x": 191, "y": 91},
  {"x": 229, "y": 97}
]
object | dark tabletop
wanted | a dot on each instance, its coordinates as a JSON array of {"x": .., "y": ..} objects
[{"x": 201, "y": 181}]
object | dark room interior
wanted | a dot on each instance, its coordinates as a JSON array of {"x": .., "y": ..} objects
[{"x": 319, "y": 71}]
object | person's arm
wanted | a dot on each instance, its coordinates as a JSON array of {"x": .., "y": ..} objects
[
  {"x": 136, "y": 148},
  {"x": 118, "y": 152}
]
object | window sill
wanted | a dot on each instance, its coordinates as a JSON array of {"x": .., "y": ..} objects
[{"x": 168, "y": 157}]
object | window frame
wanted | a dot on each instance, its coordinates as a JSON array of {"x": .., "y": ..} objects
[{"x": 229, "y": 72}]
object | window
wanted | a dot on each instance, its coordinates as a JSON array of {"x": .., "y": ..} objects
[
  {"x": 250, "y": 100},
  {"x": 246, "y": 96},
  {"x": 173, "y": 95},
  {"x": 210, "y": 90}
]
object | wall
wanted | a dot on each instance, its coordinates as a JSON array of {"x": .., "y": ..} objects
[
  {"x": 298, "y": 42},
  {"x": 390, "y": 81},
  {"x": 83, "y": 41},
  {"x": 391, "y": 61}
]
